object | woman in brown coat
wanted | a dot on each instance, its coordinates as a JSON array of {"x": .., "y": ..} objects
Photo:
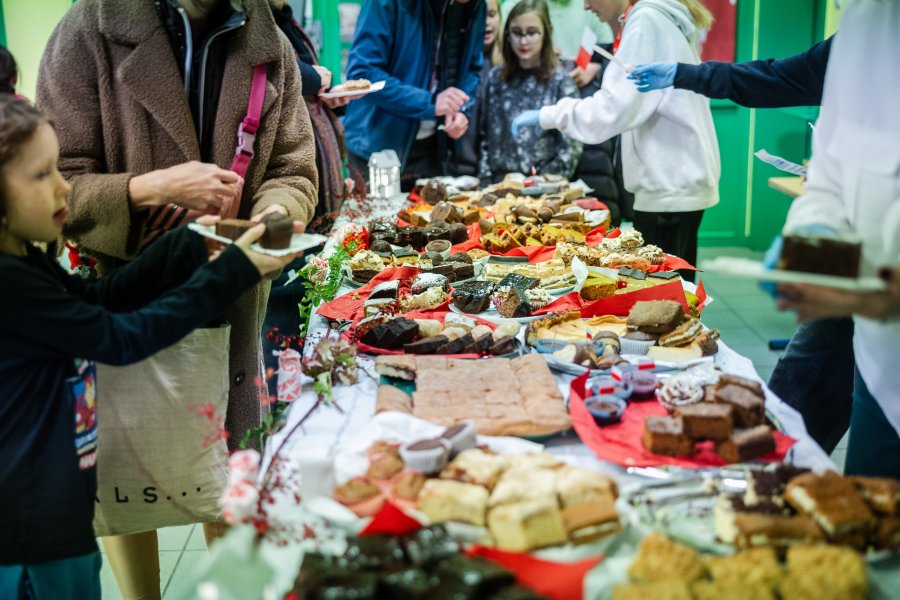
[{"x": 147, "y": 96}]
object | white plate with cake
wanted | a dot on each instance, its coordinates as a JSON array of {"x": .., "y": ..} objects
[
  {"x": 354, "y": 87},
  {"x": 228, "y": 230}
]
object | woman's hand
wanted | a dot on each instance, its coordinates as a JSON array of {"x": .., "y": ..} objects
[
  {"x": 455, "y": 126},
  {"x": 324, "y": 75},
  {"x": 818, "y": 302},
  {"x": 194, "y": 185},
  {"x": 582, "y": 77},
  {"x": 266, "y": 264}
]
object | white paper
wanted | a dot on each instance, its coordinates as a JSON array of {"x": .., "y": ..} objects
[{"x": 781, "y": 164}]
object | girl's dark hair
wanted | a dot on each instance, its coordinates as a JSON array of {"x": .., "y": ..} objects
[
  {"x": 549, "y": 61},
  {"x": 8, "y": 71},
  {"x": 18, "y": 122}
]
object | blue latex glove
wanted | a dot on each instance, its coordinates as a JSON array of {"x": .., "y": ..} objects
[
  {"x": 770, "y": 261},
  {"x": 528, "y": 118},
  {"x": 653, "y": 76}
]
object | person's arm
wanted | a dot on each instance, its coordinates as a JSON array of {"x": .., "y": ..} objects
[
  {"x": 165, "y": 264},
  {"x": 568, "y": 149},
  {"x": 484, "y": 158},
  {"x": 618, "y": 106},
  {"x": 471, "y": 75},
  {"x": 792, "y": 81},
  {"x": 370, "y": 56},
  {"x": 101, "y": 216},
  {"x": 291, "y": 178},
  {"x": 46, "y": 320},
  {"x": 310, "y": 79}
]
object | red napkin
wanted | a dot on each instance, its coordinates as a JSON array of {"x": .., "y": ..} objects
[
  {"x": 621, "y": 443},
  {"x": 390, "y": 520},
  {"x": 414, "y": 196},
  {"x": 348, "y": 306},
  {"x": 555, "y": 580},
  {"x": 590, "y": 204},
  {"x": 595, "y": 236},
  {"x": 534, "y": 254},
  {"x": 701, "y": 294},
  {"x": 673, "y": 263},
  {"x": 619, "y": 305},
  {"x": 570, "y": 301}
]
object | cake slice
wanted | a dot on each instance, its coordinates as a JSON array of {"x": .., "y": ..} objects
[
  {"x": 706, "y": 421},
  {"x": 880, "y": 493},
  {"x": 665, "y": 435},
  {"x": 822, "y": 572},
  {"x": 754, "y": 529},
  {"x": 591, "y": 520},
  {"x": 755, "y": 567},
  {"x": 442, "y": 500},
  {"x": 749, "y": 408},
  {"x": 682, "y": 335},
  {"x": 746, "y": 444},
  {"x": 473, "y": 297},
  {"x": 832, "y": 501},
  {"x": 527, "y": 525},
  {"x": 820, "y": 254},
  {"x": 598, "y": 286},
  {"x": 655, "y": 316}
]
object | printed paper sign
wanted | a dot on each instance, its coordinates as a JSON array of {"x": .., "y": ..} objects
[{"x": 781, "y": 164}]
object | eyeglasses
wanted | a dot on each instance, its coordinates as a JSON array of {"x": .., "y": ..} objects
[{"x": 517, "y": 35}]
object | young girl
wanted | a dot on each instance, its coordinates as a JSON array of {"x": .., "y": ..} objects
[
  {"x": 530, "y": 77},
  {"x": 670, "y": 157},
  {"x": 52, "y": 326}
]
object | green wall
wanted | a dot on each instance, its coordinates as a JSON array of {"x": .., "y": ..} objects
[{"x": 27, "y": 25}]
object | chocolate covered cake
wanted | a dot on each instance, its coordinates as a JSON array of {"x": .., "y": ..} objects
[
  {"x": 233, "y": 228},
  {"x": 473, "y": 297},
  {"x": 822, "y": 255},
  {"x": 279, "y": 231},
  {"x": 392, "y": 335}
]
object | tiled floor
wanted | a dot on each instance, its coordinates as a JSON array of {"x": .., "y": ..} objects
[{"x": 743, "y": 313}]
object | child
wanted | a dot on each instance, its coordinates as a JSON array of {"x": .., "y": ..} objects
[
  {"x": 670, "y": 156},
  {"x": 52, "y": 326},
  {"x": 9, "y": 73},
  {"x": 531, "y": 77}
]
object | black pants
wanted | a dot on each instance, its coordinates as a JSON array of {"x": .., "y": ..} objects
[
  {"x": 423, "y": 162},
  {"x": 674, "y": 232},
  {"x": 283, "y": 315}
]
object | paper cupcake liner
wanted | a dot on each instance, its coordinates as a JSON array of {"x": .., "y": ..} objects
[
  {"x": 427, "y": 461},
  {"x": 464, "y": 440},
  {"x": 635, "y": 346}
]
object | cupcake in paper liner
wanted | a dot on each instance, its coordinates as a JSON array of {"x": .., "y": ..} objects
[
  {"x": 461, "y": 436},
  {"x": 643, "y": 385},
  {"x": 426, "y": 456},
  {"x": 636, "y": 342}
]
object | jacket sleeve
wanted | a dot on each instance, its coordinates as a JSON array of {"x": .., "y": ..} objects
[
  {"x": 291, "y": 178},
  {"x": 370, "y": 59},
  {"x": 484, "y": 156},
  {"x": 310, "y": 79},
  {"x": 53, "y": 322},
  {"x": 471, "y": 76},
  {"x": 568, "y": 150},
  {"x": 617, "y": 106},
  {"x": 71, "y": 70},
  {"x": 165, "y": 264},
  {"x": 792, "y": 81}
]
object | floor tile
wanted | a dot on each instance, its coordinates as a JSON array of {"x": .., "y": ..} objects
[
  {"x": 174, "y": 538},
  {"x": 109, "y": 588},
  {"x": 197, "y": 541},
  {"x": 181, "y": 574}
]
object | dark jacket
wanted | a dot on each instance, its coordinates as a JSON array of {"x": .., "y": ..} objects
[
  {"x": 52, "y": 326},
  {"x": 394, "y": 42},
  {"x": 464, "y": 160},
  {"x": 112, "y": 84},
  {"x": 792, "y": 81}
]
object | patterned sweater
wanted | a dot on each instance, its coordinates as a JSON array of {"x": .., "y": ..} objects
[{"x": 548, "y": 151}]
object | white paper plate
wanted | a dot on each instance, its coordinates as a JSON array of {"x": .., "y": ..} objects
[
  {"x": 375, "y": 87},
  {"x": 751, "y": 269},
  {"x": 300, "y": 241}
]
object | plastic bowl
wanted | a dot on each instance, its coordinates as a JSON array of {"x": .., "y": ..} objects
[{"x": 605, "y": 408}]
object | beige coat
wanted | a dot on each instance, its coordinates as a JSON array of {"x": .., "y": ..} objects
[{"x": 110, "y": 82}]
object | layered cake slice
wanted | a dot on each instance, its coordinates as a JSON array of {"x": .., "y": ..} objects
[
  {"x": 655, "y": 316},
  {"x": 756, "y": 530},
  {"x": 818, "y": 254},
  {"x": 473, "y": 297},
  {"x": 527, "y": 525},
  {"x": 832, "y": 501}
]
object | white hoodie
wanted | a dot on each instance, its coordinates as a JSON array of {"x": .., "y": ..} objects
[{"x": 670, "y": 156}]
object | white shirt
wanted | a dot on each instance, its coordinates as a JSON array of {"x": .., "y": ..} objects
[
  {"x": 670, "y": 155},
  {"x": 854, "y": 173}
]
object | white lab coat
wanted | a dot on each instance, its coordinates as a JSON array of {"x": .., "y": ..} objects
[
  {"x": 854, "y": 173},
  {"x": 670, "y": 155}
]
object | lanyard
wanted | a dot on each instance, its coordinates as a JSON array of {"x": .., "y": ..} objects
[{"x": 622, "y": 27}]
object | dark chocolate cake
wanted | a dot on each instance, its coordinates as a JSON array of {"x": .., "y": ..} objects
[
  {"x": 392, "y": 335},
  {"x": 822, "y": 255},
  {"x": 279, "y": 231},
  {"x": 473, "y": 297}
]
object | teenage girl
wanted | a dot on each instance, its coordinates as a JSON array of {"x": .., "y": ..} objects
[
  {"x": 529, "y": 78},
  {"x": 52, "y": 327}
]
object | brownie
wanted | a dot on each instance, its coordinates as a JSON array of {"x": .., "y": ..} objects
[
  {"x": 463, "y": 271},
  {"x": 430, "y": 545},
  {"x": 504, "y": 345},
  {"x": 747, "y": 444},
  {"x": 279, "y": 231},
  {"x": 444, "y": 269},
  {"x": 467, "y": 341},
  {"x": 473, "y": 297},
  {"x": 665, "y": 435},
  {"x": 387, "y": 289},
  {"x": 406, "y": 584},
  {"x": 364, "y": 275},
  {"x": 424, "y": 281},
  {"x": 483, "y": 344},
  {"x": 460, "y": 257},
  {"x": 477, "y": 576},
  {"x": 751, "y": 384},
  {"x": 458, "y": 232},
  {"x": 706, "y": 421},
  {"x": 434, "y": 192},
  {"x": 823, "y": 255},
  {"x": 426, "y": 346},
  {"x": 456, "y": 346},
  {"x": 516, "y": 304},
  {"x": 749, "y": 409},
  {"x": 392, "y": 335},
  {"x": 412, "y": 236},
  {"x": 655, "y": 316},
  {"x": 664, "y": 274},
  {"x": 233, "y": 228},
  {"x": 514, "y": 279},
  {"x": 377, "y": 552}
]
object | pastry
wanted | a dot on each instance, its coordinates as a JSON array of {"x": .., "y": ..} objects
[
  {"x": 751, "y": 384},
  {"x": 732, "y": 589},
  {"x": 426, "y": 456},
  {"x": 746, "y": 444},
  {"x": 591, "y": 520},
  {"x": 726, "y": 507},
  {"x": 636, "y": 342},
  {"x": 749, "y": 408},
  {"x": 657, "y": 590},
  {"x": 708, "y": 342},
  {"x": 507, "y": 329},
  {"x": 665, "y": 435},
  {"x": 399, "y": 366},
  {"x": 430, "y": 298},
  {"x": 521, "y": 484},
  {"x": 754, "y": 530},
  {"x": 575, "y": 485},
  {"x": 820, "y": 572},
  {"x": 832, "y": 501},
  {"x": 365, "y": 260},
  {"x": 360, "y": 495},
  {"x": 880, "y": 493},
  {"x": 527, "y": 525},
  {"x": 819, "y": 254},
  {"x": 426, "y": 281},
  {"x": 598, "y": 286},
  {"x": 461, "y": 437},
  {"x": 768, "y": 485},
  {"x": 445, "y": 212},
  {"x": 682, "y": 335},
  {"x": 377, "y": 306},
  {"x": 391, "y": 335},
  {"x": 278, "y": 233},
  {"x": 434, "y": 192},
  {"x": 676, "y": 356},
  {"x": 353, "y": 85},
  {"x": 660, "y": 559},
  {"x": 429, "y": 327},
  {"x": 887, "y": 534},
  {"x": 481, "y": 330},
  {"x": 655, "y": 316},
  {"x": 756, "y": 567},
  {"x": 443, "y": 500},
  {"x": 706, "y": 421},
  {"x": 234, "y": 228},
  {"x": 678, "y": 392},
  {"x": 386, "y": 289},
  {"x": 384, "y": 466},
  {"x": 390, "y": 398},
  {"x": 476, "y": 466}
]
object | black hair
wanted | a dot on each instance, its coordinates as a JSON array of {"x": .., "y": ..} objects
[
  {"x": 18, "y": 122},
  {"x": 8, "y": 71}
]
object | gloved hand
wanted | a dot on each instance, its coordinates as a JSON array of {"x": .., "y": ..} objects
[
  {"x": 528, "y": 118},
  {"x": 653, "y": 76},
  {"x": 770, "y": 261}
]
